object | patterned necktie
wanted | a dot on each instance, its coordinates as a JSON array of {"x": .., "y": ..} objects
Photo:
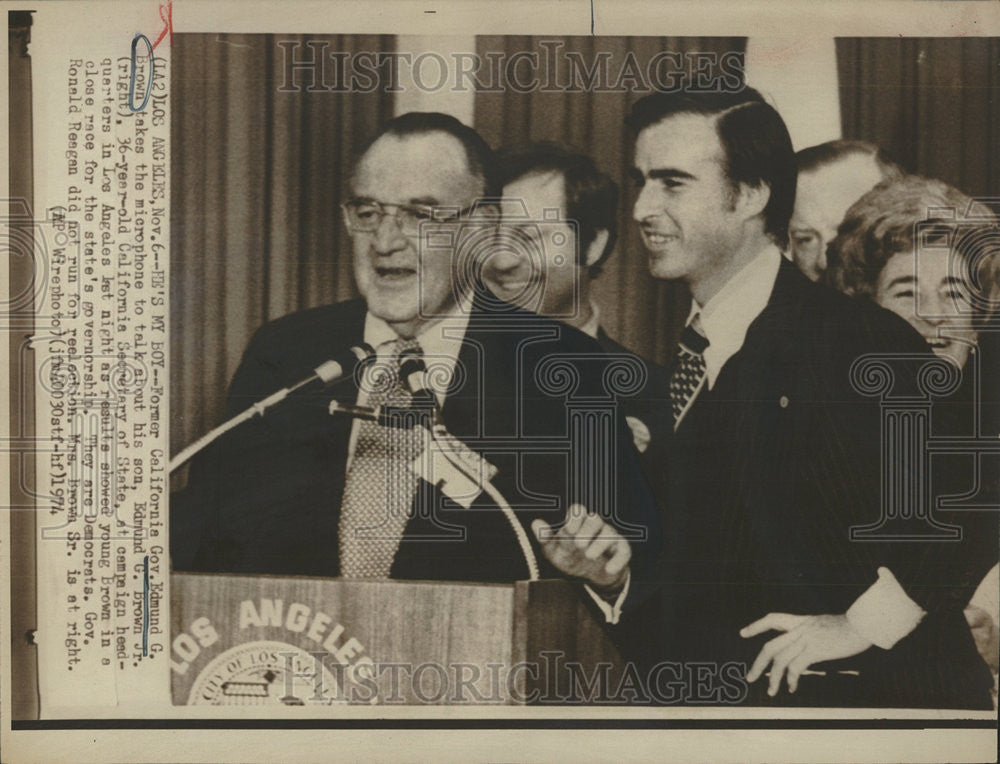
[
  {"x": 380, "y": 486},
  {"x": 689, "y": 371}
]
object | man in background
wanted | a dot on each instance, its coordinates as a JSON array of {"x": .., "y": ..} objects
[
  {"x": 832, "y": 176},
  {"x": 559, "y": 216}
]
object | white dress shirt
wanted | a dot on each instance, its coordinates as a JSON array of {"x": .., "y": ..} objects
[
  {"x": 591, "y": 326},
  {"x": 884, "y": 613},
  {"x": 724, "y": 320}
]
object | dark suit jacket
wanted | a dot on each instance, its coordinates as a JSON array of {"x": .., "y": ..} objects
[
  {"x": 266, "y": 499},
  {"x": 651, "y": 404},
  {"x": 763, "y": 481}
]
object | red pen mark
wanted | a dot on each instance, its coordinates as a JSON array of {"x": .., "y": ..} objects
[{"x": 167, "y": 17}]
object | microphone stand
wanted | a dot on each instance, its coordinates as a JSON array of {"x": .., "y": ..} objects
[
  {"x": 326, "y": 373},
  {"x": 471, "y": 468}
]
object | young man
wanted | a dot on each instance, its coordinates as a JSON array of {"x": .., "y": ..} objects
[{"x": 775, "y": 458}]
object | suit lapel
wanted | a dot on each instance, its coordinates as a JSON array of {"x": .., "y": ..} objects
[
  {"x": 723, "y": 442},
  {"x": 479, "y": 392},
  {"x": 750, "y": 370}
]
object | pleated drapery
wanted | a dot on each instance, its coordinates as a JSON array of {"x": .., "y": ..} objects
[
  {"x": 932, "y": 103},
  {"x": 257, "y": 176}
]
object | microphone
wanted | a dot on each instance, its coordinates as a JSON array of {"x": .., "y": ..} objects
[
  {"x": 341, "y": 365},
  {"x": 413, "y": 371},
  {"x": 330, "y": 371},
  {"x": 423, "y": 406},
  {"x": 388, "y": 416},
  {"x": 459, "y": 456}
]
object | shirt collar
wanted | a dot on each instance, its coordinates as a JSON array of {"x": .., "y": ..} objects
[
  {"x": 594, "y": 322},
  {"x": 724, "y": 320},
  {"x": 440, "y": 342}
]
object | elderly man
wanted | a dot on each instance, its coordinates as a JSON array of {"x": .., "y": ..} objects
[
  {"x": 301, "y": 492},
  {"x": 775, "y": 458},
  {"x": 832, "y": 176}
]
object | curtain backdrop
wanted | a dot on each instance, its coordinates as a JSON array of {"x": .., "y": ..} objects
[
  {"x": 932, "y": 104},
  {"x": 644, "y": 315},
  {"x": 257, "y": 178}
]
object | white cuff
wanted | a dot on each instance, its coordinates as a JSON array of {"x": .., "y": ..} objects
[
  {"x": 987, "y": 596},
  {"x": 884, "y": 614},
  {"x": 612, "y": 612}
]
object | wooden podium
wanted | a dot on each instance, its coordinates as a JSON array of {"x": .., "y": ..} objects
[{"x": 311, "y": 641}]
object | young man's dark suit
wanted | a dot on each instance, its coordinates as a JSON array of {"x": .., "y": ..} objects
[
  {"x": 761, "y": 483},
  {"x": 651, "y": 404},
  {"x": 267, "y": 498}
]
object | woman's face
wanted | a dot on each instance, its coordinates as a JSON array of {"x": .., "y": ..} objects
[{"x": 932, "y": 298}]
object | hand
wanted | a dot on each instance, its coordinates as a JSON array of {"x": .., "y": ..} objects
[
  {"x": 808, "y": 639},
  {"x": 985, "y": 633},
  {"x": 586, "y": 547}
]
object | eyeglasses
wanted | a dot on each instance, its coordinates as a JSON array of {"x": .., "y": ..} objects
[{"x": 365, "y": 215}]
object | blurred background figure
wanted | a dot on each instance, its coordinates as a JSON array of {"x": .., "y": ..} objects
[
  {"x": 560, "y": 219},
  {"x": 930, "y": 254},
  {"x": 832, "y": 176},
  {"x": 559, "y": 215}
]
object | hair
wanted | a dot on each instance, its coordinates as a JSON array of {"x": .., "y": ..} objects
[
  {"x": 757, "y": 148},
  {"x": 478, "y": 153},
  {"x": 882, "y": 223},
  {"x": 591, "y": 197},
  {"x": 825, "y": 154}
]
